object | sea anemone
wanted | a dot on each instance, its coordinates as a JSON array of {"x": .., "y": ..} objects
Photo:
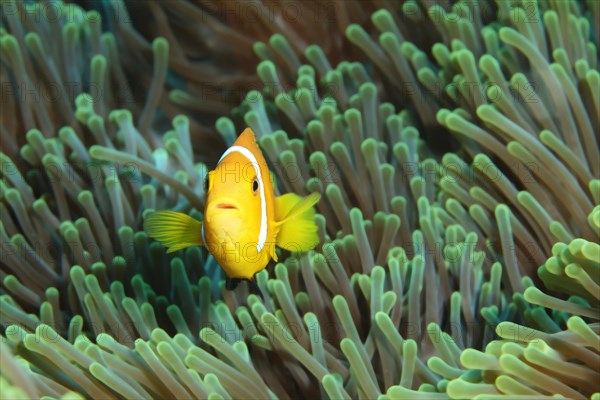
[{"x": 453, "y": 167}]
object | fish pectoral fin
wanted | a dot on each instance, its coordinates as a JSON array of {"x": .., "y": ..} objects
[
  {"x": 273, "y": 253},
  {"x": 174, "y": 230},
  {"x": 295, "y": 216}
]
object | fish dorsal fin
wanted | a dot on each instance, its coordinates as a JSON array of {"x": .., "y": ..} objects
[
  {"x": 248, "y": 140},
  {"x": 295, "y": 221},
  {"x": 174, "y": 230}
]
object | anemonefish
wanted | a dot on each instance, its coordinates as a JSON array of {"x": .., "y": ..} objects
[{"x": 243, "y": 219}]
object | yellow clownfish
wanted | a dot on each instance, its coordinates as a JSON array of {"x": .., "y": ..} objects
[{"x": 243, "y": 219}]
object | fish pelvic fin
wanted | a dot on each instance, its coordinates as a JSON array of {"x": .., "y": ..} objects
[
  {"x": 174, "y": 230},
  {"x": 295, "y": 221}
]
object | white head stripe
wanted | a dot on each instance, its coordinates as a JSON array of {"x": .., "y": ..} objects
[{"x": 262, "y": 235}]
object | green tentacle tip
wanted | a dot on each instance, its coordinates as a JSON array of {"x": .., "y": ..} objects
[
  {"x": 313, "y": 51},
  {"x": 318, "y": 58},
  {"x": 225, "y": 124},
  {"x": 98, "y": 62},
  {"x": 160, "y": 48},
  {"x": 261, "y": 50},
  {"x": 333, "y": 385},
  {"x": 526, "y": 199},
  {"x": 389, "y": 41},
  {"x": 356, "y": 34},
  {"x": 494, "y": 92},
  {"x": 368, "y": 90},
  {"x": 71, "y": 31},
  {"x": 96, "y": 150},
  {"x": 33, "y": 41},
  {"x": 487, "y": 113},
  {"x": 120, "y": 116},
  {"x": 10, "y": 45},
  {"x": 266, "y": 71},
  {"x": 85, "y": 197},
  {"x": 13, "y": 196},
  {"x": 369, "y": 147},
  {"x": 353, "y": 116},
  {"x": 382, "y": 18},
  {"x": 181, "y": 121},
  {"x": 67, "y": 134},
  {"x": 502, "y": 212},
  {"x": 34, "y": 136},
  {"x": 279, "y": 42},
  {"x": 93, "y": 17}
]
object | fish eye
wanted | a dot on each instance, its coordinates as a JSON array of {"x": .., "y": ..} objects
[{"x": 255, "y": 185}]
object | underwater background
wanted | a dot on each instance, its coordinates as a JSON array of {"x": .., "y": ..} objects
[{"x": 455, "y": 144}]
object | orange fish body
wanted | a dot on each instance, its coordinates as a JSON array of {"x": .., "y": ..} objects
[
  {"x": 234, "y": 209},
  {"x": 243, "y": 219}
]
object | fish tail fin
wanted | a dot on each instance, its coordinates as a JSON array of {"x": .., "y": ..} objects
[
  {"x": 295, "y": 218},
  {"x": 173, "y": 230}
]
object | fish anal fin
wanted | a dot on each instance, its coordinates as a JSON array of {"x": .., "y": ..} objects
[
  {"x": 232, "y": 283},
  {"x": 173, "y": 230},
  {"x": 254, "y": 289},
  {"x": 295, "y": 216}
]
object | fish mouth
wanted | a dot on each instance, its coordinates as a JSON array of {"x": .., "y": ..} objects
[{"x": 226, "y": 206}]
